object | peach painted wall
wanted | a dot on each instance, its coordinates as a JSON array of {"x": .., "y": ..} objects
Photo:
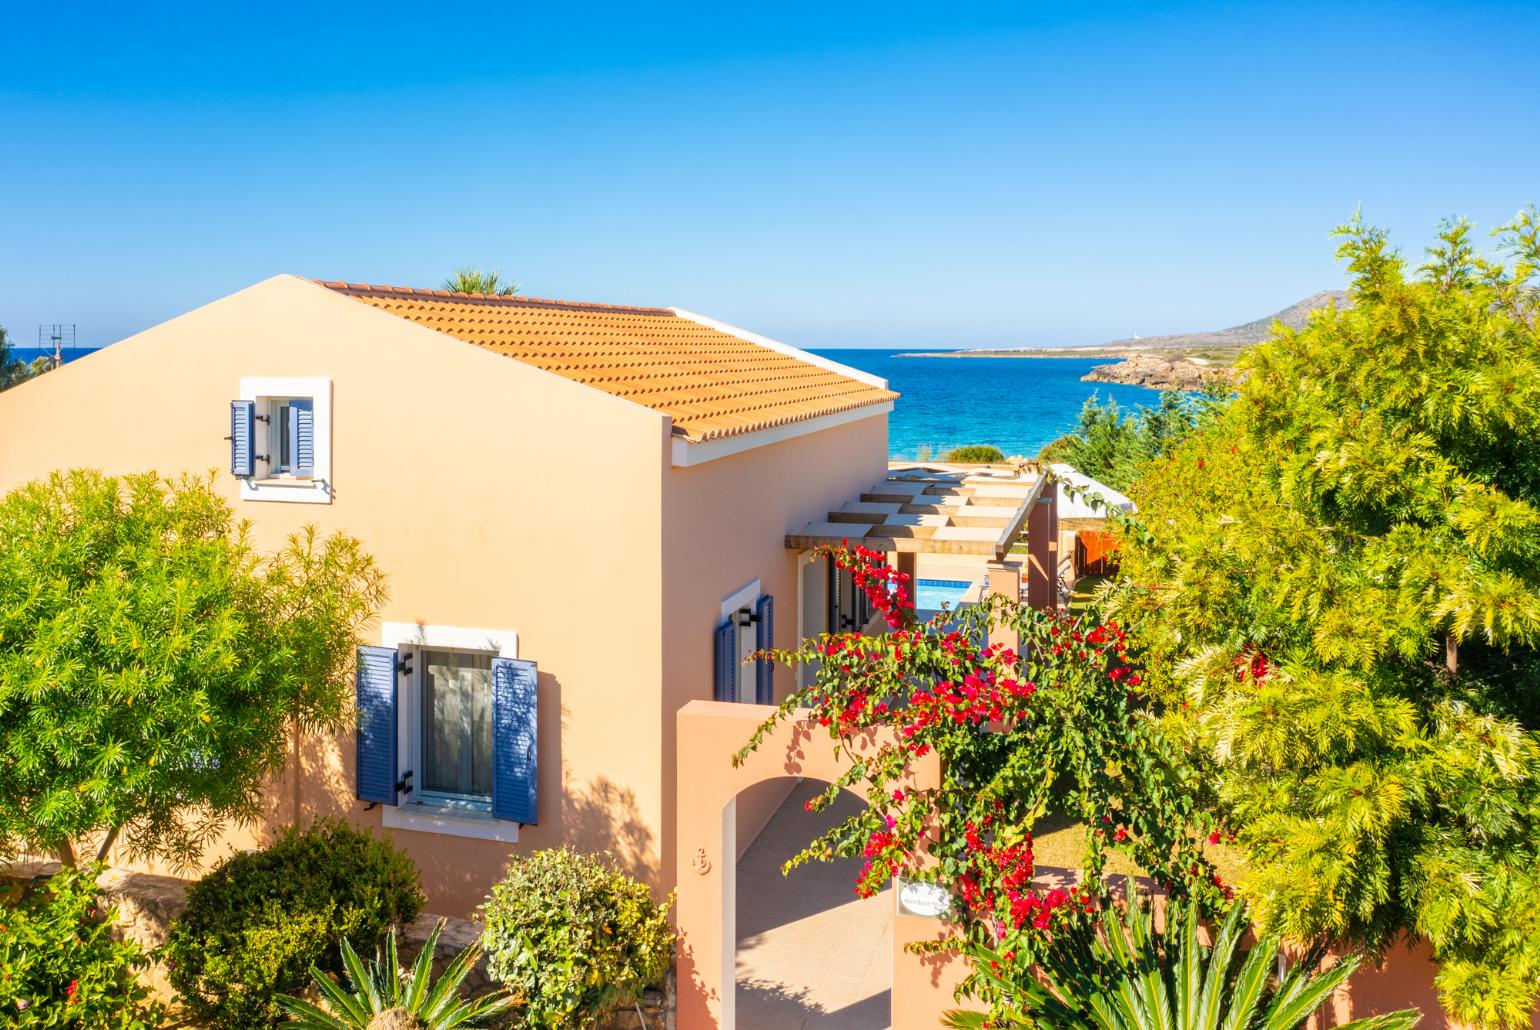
[
  {"x": 706, "y": 866},
  {"x": 724, "y": 525},
  {"x": 494, "y": 495}
]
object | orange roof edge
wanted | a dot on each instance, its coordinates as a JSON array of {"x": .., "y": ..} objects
[{"x": 712, "y": 379}]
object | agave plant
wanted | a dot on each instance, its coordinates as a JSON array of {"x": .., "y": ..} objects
[
  {"x": 384, "y": 996},
  {"x": 1131, "y": 976}
]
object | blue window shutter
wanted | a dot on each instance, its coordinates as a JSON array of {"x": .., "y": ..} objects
[
  {"x": 243, "y": 420},
  {"x": 376, "y": 701},
  {"x": 515, "y": 755},
  {"x": 764, "y": 640},
  {"x": 727, "y": 662},
  {"x": 302, "y": 436},
  {"x": 832, "y": 615}
]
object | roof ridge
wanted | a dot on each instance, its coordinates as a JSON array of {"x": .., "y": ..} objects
[{"x": 488, "y": 299}]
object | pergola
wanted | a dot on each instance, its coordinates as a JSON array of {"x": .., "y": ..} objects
[{"x": 935, "y": 509}]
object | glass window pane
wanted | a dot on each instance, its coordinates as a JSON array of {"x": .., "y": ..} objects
[
  {"x": 281, "y": 426},
  {"x": 457, "y": 723}
]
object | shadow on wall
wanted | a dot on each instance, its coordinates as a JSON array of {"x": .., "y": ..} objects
[
  {"x": 807, "y": 890},
  {"x": 595, "y": 816},
  {"x": 603, "y": 816}
]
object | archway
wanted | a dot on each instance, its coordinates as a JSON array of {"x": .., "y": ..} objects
[
  {"x": 810, "y": 953},
  {"x": 706, "y": 874}
]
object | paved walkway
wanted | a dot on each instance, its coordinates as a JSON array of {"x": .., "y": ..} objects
[{"x": 811, "y": 955}]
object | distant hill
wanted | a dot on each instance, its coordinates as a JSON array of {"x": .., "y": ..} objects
[{"x": 1236, "y": 336}]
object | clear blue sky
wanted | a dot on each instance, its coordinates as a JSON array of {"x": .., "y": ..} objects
[{"x": 834, "y": 175}]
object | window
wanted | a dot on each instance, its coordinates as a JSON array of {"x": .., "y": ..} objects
[
  {"x": 447, "y": 731},
  {"x": 291, "y": 435},
  {"x": 748, "y": 625},
  {"x": 456, "y": 726},
  {"x": 280, "y": 439}
]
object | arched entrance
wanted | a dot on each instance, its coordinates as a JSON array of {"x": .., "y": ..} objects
[
  {"x": 811, "y": 954},
  {"x": 707, "y": 847}
]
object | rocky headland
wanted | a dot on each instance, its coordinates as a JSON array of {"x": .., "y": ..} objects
[
  {"x": 1161, "y": 371},
  {"x": 1184, "y": 361}
]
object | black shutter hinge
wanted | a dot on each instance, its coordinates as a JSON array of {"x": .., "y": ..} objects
[
  {"x": 745, "y": 617},
  {"x": 404, "y": 784},
  {"x": 404, "y": 665}
]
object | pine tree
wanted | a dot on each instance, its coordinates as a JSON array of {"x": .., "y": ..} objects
[{"x": 1339, "y": 589}]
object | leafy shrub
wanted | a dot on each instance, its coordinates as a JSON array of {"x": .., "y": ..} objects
[
  {"x": 60, "y": 965},
  {"x": 255, "y": 925},
  {"x": 975, "y": 454},
  {"x": 573, "y": 938}
]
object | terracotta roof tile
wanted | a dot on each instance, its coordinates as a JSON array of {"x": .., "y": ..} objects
[{"x": 711, "y": 383}]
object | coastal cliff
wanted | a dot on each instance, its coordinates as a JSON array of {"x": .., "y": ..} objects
[
  {"x": 1159, "y": 371},
  {"x": 1184, "y": 361}
]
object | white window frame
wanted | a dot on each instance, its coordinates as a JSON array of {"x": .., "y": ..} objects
[
  {"x": 265, "y": 484},
  {"x": 744, "y": 597},
  {"x": 442, "y": 815}
]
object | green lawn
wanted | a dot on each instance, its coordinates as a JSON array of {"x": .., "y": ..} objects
[
  {"x": 1060, "y": 842},
  {"x": 1085, "y": 589}
]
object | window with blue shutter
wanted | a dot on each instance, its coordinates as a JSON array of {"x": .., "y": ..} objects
[
  {"x": 515, "y": 755},
  {"x": 243, "y": 420},
  {"x": 727, "y": 661},
  {"x": 376, "y": 701},
  {"x": 764, "y": 640},
  {"x": 302, "y": 437}
]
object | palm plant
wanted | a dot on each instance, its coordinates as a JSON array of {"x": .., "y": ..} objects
[
  {"x": 384, "y": 996},
  {"x": 474, "y": 280},
  {"x": 1130, "y": 976}
]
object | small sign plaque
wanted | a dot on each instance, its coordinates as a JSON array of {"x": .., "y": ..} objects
[{"x": 922, "y": 899}]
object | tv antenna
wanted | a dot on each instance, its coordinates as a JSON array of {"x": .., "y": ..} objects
[{"x": 56, "y": 336}]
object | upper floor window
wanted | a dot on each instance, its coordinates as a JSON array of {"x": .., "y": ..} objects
[
  {"x": 747, "y": 626},
  {"x": 292, "y": 436},
  {"x": 280, "y": 439}
]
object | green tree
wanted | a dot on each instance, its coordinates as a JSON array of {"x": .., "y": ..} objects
[
  {"x": 1113, "y": 447},
  {"x": 1338, "y": 590},
  {"x": 475, "y": 280},
  {"x": 152, "y": 660},
  {"x": 13, "y": 370}
]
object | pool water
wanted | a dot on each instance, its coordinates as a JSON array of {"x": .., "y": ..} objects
[{"x": 930, "y": 594}]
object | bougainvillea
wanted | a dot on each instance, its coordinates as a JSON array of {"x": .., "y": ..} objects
[{"x": 1054, "y": 725}]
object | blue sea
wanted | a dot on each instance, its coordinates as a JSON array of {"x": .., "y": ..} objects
[
  {"x": 1017, "y": 404},
  {"x": 31, "y": 354}
]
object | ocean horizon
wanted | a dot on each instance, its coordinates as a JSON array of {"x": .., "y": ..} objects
[{"x": 1017, "y": 404}]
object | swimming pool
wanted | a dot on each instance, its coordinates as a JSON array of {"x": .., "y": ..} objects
[{"x": 930, "y": 594}]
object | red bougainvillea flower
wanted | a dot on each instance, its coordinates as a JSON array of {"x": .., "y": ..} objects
[{"x": 1006, "y": 720}]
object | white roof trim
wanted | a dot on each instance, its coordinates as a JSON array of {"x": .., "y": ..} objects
[
  {"x": 686, "y": 453},
  {"x": 783, "y": 348},
  {"x": 1078, "y": 507}
]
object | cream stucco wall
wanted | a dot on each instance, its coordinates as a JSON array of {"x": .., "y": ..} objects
[
  {"x": 724, "y": 525},
  {"x": 494, "y": 495}
]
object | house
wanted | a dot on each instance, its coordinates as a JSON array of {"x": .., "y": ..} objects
[
  {"x": 582, "y": 510},
  {"x": 1086, "y": 542}
]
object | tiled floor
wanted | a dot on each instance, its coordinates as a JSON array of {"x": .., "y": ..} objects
[{"x": 811, "y": 955}]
